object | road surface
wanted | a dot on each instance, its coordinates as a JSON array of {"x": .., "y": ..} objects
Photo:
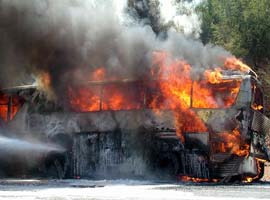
[{"x": 128, "y": 189}]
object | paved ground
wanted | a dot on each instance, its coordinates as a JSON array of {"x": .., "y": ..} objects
[{"x": 128, "y": 189}]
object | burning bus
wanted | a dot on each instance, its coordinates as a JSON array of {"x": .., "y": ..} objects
[{"x": 168, "y": 125}]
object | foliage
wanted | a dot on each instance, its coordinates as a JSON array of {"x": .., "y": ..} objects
[{"x": 240, "y": 26}]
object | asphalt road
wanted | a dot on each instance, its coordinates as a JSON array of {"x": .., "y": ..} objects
[{"x": 128, "y": 189}]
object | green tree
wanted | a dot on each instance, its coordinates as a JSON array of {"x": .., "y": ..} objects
[{"x": 240, "y": 26}]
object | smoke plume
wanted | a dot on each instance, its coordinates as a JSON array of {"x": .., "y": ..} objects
[
  {"x": 162, "y": 15},
  {"x": 69, "y": 39}
]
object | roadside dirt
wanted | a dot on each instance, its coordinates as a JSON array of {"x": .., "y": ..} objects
[{"x": 266, "y": 176}]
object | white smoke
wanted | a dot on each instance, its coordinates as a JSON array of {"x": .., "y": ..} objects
[{"x": 183, "y": 16}]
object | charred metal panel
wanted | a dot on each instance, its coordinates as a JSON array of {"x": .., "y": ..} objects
[
  {"x": 96, "y": 154},
  {"x": 229, "y": 167},
  {"x": 104, "y": 121},
  {"x": 245, "y": 94},
  {"x": 110, "y": 154},
  {"x": 196, "y": 165},
  {"x": 218, "y": 120},
  {"x": 261, "y": 125},
  {"x": 202, "y": 138},
  {"x": 85, "y": 155}
]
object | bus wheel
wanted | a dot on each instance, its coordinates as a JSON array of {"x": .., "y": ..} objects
[{"x": 55, "y": 167}]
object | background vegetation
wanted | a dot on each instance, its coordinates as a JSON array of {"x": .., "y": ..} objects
[{"x": 240, "y": 26}]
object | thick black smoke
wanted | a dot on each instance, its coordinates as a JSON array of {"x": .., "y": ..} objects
[
  {"x": 71, "y": 38},
  {"x": 147, "y": 12}
]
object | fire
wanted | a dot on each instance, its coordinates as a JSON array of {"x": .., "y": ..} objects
[
  {"x": 121, "y": 97},
  {"x": 233, "y": 63},
  {"x": 4, "y": 107},
  {"x": 98, "y": 74},
  {"x": 177, "y": 93},
  {"x": 177, "y": 85},
  {"x": 221, "y": 95},
  {"x": 213, "y": 76},
  {"x": 43, "y": 82},
  {"x": 3, "y": 112},
  {"x": 169, "y": 86},
  {"x": 84, "y": 99},
  {"x": 177, "y": 90},
  {"x": 232, "y": 143},
  {"x": 248, "y": 180},
  {"x": 192, "y": 179},
  {"x": 219, "y": 85},
  {"x": 196, "y": 180},
  {"x": 257, "y": 107}
]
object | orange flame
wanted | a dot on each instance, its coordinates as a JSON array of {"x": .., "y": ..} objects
[
  {"x": 84, "y": 99},
  {"x": 233, "y": 143},
  {"x": 121, "y": 97},
  {"x": 213, "y": 76},
  {"x": 233, "y": 63},
  {"x": 196, "y": 180},
  {"x": 43, "y": 82},
  {"x": 192, "y": 179},
  {"x": 257, "y": 107},
  {"x": 3, "y": 112},
  {"x": 4, "y": 103},
  {"x": 176, "y": 91},
  {"x": 99, "y": 74},
  {"x": 220, "y": 95}
]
